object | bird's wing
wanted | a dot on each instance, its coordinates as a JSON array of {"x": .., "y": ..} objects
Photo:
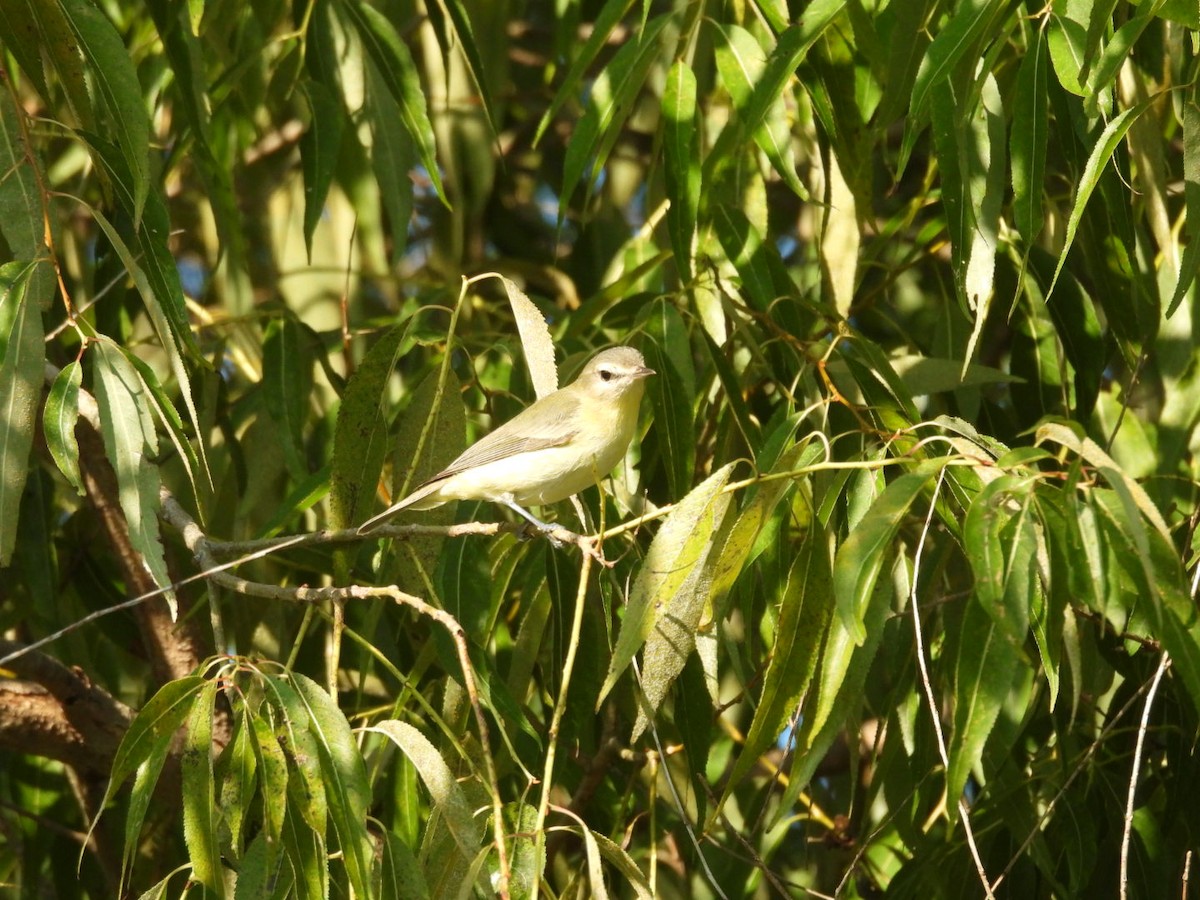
[{"x": 553, "y": 425}]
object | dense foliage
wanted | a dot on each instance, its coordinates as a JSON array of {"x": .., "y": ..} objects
[{"x": 902, "y": 595}]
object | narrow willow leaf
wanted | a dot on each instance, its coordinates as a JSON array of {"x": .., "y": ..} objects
[
  {"x": 671, "y": 392},
  {"x": 861, "y": 557},
  {"x": 160, "y": 289},
  {"x": 444, "y": 790},
  {"x": 958, "y": 38},
  {"x": 986, "y": 164},
  {"x": 983, "y": 674},
  {"x": 114, "y": 75},
  {"x": 678, "y": 617},
  {"x": 736, "y": 550},
  {"x": 782, "y": 62},
  {"x": 305, "y": 785},
  {"x": 535, "y": 340},
  {"x": 237, "y": 779},
  {"x": 187, "y": 59},
  {"x": 1000, "y": 539},
  {"x": 393, "y": 155},
  {"x": 58, "y": 422},
  {"x": 287, "y": 381},
  {"x": 345, "y": 777},
  {"x": 741, "y": 61},
  {"x": 464, "y": 39},
  {"x": 1189, "y": 265},
  {"x": 746, "y": 249},
  {"x": 907, "y": 40},
  {"x": 273, "y": 776},
  {"x": 164, "y": 409},
  {"x": 1029, "y": 137},
  {"x": 400, "y": 872},
  {"x": 635, "y": 878},
  {"x": 431, "y": 433},
  {"x": 610, "y": 16},
  {"x": 22, "y": 356},
  {"x": 305, "y": 851},
  {"x": 1101, "y": 153},
  {"x": 360, "y": 438},
  {"x": 804, "y": 616},
  {"x": 319, "y": 147},
  {"x": 200, "y": 814},
  {"x": 681, "y": 545},
  {"x": 144, "y": 749},
  {"x": 680, "y": 165},
  {"x": 130, "y": 442},
  {"x": 1090, "y": 451},
  {"x": 395, "y": 65},
  {"x": 21, "y": 211},
  {"x": 836, "y": 695},
  {"x": 1103, "y": 77},
  {"x": 610, "y": 101}
]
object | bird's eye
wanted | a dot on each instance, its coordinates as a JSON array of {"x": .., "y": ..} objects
[{"x": 606, "y": 374}]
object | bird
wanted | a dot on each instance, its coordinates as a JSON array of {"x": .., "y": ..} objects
[{"x": 554, "y": 448}]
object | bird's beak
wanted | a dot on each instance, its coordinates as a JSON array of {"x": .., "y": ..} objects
[{"x": 643, "y": 372}]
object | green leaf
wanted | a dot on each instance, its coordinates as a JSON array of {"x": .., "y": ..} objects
[
  {"x": 1101, "y": 153},
  {"x": 345, "y": 776},
  {"x": 144, "y": 749},
  {"x": 392, "y": 158},
  {"x": 745, "y": 248},
  {"x": 782, "y": 62},
  {"x": 161, "y": 292},
  {"x": 399, "y": 73},
  {"x": 444, "y": 790},
  {"x": 115, "y": 77},
  {"x": 680, "y": 164},
  {"x": 296, "y": 735},
  {"x": 973, "y": 21},
  {"x": 861, "y": 557},
  {"x": 1189, "y": 265},
  {"x": 741, "y": 62},
  {"x": 21, "y": 213},
  {"x": 609, "y": 103},
  {"x": 401, "y": 877},
  {"x": 22, "y": 356},
  {"x": 237, "y": 776},
  {"x": 610, "y": 16},
  {"x": 907, "y": 37},
  {"x": 1000, "y": 538},
  {"x": 984, "y": 669},
  {"x": 273, "y": 776},
  {"x": 671, "y": 392},
  {"x": 360, "y": 438},
  {"x": 431, "y": 433},
  {"x": 1029, "y": 137},
  {"x": 804, "y": 616},
  {"x": 130, "y": 442},
  {"x": 837, "y": 695},
  {"x": 58, "y": 422},
  {"x": 677, "y": 617},
  {"x": 287, "y": 382},
  {"x": 681, "y": 546},
  {"x": 200, "y": 814},
  {"x": 319, "y": 147}
]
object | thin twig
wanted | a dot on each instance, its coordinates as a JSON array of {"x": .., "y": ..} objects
[
  {"x": 1163, "y": 664},
  {"x": 560, "y": 708},
  {"x": 928, "y": 686}
]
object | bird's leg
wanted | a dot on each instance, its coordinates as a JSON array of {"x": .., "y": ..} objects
[{"x": 541, "y": 526}]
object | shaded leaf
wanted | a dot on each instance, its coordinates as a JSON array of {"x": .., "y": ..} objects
[{"x": 681, "y": 545}]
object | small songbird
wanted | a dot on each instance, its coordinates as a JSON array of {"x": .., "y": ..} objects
[{"x": 561, "y": 444}]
